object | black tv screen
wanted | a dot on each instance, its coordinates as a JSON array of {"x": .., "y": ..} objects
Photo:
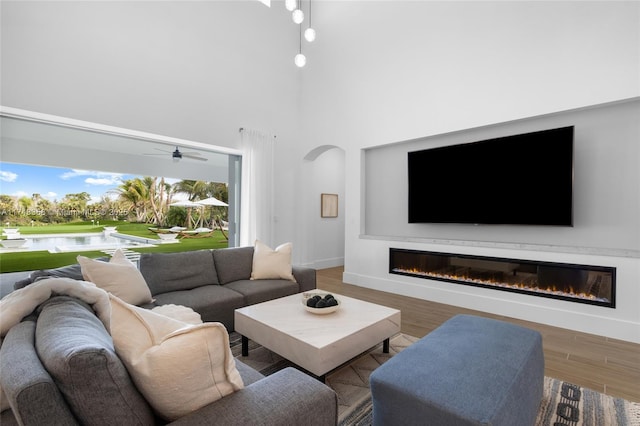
[{"x": 525, "y": 179}]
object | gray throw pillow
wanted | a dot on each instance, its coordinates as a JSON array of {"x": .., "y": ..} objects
[{"x": 77, "y": 351}]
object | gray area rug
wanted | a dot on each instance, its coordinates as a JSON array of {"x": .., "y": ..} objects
[{"x": 563, "y": 404}]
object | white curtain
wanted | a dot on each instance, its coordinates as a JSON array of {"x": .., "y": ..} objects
[{"x": 257, "y": 202}]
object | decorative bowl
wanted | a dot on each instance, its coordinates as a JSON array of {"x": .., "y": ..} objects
[{"x": 318, "y": 311}]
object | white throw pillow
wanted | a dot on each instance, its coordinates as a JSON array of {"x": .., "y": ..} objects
[
  {"x": 178, "y": 367},
  {"x": 119, "y": 276},
  {"x": 272, "y": 264}
]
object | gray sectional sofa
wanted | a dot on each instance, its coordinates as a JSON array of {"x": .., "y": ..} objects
[
  {"x": 59, "y": 365},
  {"x": 211, "y": 282}
]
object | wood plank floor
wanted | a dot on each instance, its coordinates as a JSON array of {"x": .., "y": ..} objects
[{"x": 607, "y": 365}]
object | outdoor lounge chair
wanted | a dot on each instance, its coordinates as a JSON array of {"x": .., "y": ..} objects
[
  {"x": 197, "y": 233},
  {"x": 174, "y": 230}
]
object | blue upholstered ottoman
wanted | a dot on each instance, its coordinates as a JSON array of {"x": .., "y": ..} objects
[{"x": 469, "y": 371}]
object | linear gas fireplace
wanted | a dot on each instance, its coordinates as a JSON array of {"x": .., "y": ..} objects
[{"x": 594, "y": 285}]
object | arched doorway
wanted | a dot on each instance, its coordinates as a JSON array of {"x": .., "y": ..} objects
[{"x": 325, "y": 174}]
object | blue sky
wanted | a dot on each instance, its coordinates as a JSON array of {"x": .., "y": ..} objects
[{"x": 54, "y": 183}]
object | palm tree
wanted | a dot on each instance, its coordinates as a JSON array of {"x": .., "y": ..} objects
[
  {"x": 195, "y": 190},
  {"x": 36, "y": 199},
  {"x": 74, "y": 205},
  {"x": 221, "y": 192},
  {"x": 154, "y": 199},
  {"x": 135, "y": 195}
]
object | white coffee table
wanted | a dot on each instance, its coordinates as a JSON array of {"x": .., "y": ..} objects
[{"x": 317, "y": 343}]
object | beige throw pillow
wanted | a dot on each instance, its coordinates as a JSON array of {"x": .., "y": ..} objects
[
  {"x": 119, "y": 276},
  {"x": 178, "y": 367},
  {"x": 272, "y": 264}
]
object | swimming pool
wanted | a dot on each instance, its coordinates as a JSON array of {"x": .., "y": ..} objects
[{"x": 60, "y": 243}]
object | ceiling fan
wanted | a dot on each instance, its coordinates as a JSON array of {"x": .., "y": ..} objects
[{"x": 178, "y": 155}]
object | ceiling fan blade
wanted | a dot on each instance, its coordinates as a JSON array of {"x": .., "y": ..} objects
[
  {"x": 164, "y": 152},
  {"x": 193, "y": 157}
]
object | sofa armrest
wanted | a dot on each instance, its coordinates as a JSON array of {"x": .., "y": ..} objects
[
  {"x": 306, "y": 278},
  {"x": 33, "y": 395},
  {"x": 287, "y": 397}
]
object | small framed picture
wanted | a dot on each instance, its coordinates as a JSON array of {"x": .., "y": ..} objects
[{"x": 328, "y": 205}]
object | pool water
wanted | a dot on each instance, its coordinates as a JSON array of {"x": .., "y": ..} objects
[{"x": 75, "y": 242}]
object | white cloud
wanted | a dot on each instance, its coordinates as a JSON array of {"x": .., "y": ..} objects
[
  {"x": 74, "y": 173},
  {"x": 8, "y": 176},
  {"x": 99, "y": 181},
  {"x": 50, "y": 195},
  {"x": 93, "y": 177}
]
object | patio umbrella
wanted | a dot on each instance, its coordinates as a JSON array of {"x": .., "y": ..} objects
[
  {"x": 213, "y": 202},
  {"x": 189, "y": 205}
]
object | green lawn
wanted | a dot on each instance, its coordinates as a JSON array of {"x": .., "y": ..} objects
[{"x": 32, "y": 260}]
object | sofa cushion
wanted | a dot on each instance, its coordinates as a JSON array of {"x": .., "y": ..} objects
[
  {"x": 263, "y": 290},
  {"x": 233, "y": 264},
  {"x": 166, "y": 272},
  {"x": 248, "y": 374},
  {"x": 71, "y": 271},
  {"x": 78, "y": 352},
  {"x": 119, "y": 276},
  {"x": 30, "y": 390},
  {"x": 271, "y": 263},
  {"x": 305, "y": 277},
  {"x": 212, "y": 302},
  {"x": 179, "y": 367}
]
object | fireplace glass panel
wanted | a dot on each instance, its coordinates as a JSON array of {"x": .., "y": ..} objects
[{"x": 576, "y": 283}]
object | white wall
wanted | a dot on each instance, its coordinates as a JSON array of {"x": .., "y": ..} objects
[
  {"x": 392, "y": 71},
  {"x": 398, "y": 71},
  {"x": 194, "y": 70}
]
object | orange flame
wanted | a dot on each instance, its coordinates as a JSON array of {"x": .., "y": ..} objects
[{"x": 500, "y": 284}]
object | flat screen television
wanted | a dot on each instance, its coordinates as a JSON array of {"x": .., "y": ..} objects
[{"x": 524, "y": 179}]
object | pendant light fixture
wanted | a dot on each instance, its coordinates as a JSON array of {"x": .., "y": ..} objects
[
  {"x": 298, "y": 14},
  {"x": 290, "y": 5},
  {"x": 310, "y": 33},
  {"x": 300, "y": 60}
]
